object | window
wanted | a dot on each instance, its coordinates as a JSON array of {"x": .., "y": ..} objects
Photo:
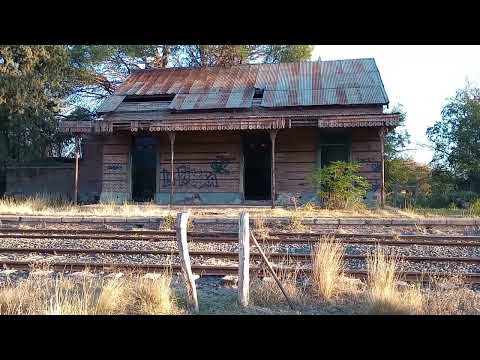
[
  {"x": 332, "y": 153},
  {"x": 258, "y": 93},
  {"x": 333, "y": 146},
  {"x": 148, "y": 98}
]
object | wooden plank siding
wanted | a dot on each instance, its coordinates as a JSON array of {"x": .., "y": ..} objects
[
  {"x": 204, "y": 162},
  {"x": 210, "y": 161},
  {"x": 366, "y": 150},
  {"x": 116, "y": 164},
  {"x": 295, "y": 159}
]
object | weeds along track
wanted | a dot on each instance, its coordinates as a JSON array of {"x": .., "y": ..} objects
[{"x": 424, "y": 255}]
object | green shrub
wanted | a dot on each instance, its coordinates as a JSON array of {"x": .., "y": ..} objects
[
  {"x": 474, "y": 208},
  {"x": 339, "y": 186},
  {"x": 448, "y": 198}
]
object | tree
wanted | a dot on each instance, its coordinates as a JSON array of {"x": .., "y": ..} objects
[
  {"x": 456, "y": 137},
  {"x": 287, "y": 53},
  {"x": 397, "y": 140},
  {"x": 34, "y": 80},
  {"x": 409, "y": 176}
]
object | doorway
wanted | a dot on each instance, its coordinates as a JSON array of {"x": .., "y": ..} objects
[
  {"x": 257, "y": 166},
  {"x": 144, "y": 166}
]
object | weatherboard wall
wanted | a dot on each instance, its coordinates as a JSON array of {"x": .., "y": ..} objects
[
  {"x": 206, "y": 168},
  {"x": 208, "y": 165}
]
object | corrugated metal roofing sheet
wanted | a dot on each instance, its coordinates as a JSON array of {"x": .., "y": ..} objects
[{"x": 337, "y": 82}]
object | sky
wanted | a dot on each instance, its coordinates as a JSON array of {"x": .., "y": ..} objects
[{"x": 420, "y": 77}]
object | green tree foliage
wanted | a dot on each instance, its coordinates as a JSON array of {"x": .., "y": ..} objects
[
  {"x": 339, "y": 185},
  {"x": 397, "y": 140},
  {"x": 32, "y": 77},
  {"x": 456, "y": 137},
  {"x": 286, "y": 53},
  {"x": 209, "y": 55},
  {"x": 406, "y": 178},
  {"x": 34, "y": 80}
]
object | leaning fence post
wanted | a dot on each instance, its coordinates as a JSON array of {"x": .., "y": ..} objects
[
  {"x": 181, "y": 232},
  {"x": 244, "y": 258}
]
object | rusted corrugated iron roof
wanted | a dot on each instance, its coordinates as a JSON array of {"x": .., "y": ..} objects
[{"x": 337, "y": 82}]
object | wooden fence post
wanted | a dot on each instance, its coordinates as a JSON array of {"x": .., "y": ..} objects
[
  {"x": 77, "y": 155},
  {"x": 181, "y": 231},
  {"x": 244, "y": 259}
]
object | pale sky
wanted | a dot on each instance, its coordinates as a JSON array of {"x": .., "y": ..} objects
[{"x": 420, "y": 77}]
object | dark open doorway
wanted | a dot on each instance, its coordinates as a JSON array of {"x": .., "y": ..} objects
[
  {"x": 144, "y": 165},
  {"x": 257, "y": 166}
]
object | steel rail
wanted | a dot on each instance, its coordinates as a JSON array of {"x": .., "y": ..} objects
[
  {"x": 215, "y": 270},
  {"x": 224, "y": 254},
  {"x": 459, "y": 241},
  {"x": 5, "y": 231}
]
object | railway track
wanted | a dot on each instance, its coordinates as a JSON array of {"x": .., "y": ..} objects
[
  {"x": 215, "y": 270},
  {"x": 224, "y": 254},
  {"x": 274, "y": 237}
]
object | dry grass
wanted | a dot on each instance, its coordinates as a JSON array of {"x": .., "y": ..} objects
[
  {"x": 383, "y": 296},
  {"x": 88, "y": 295},
  {"x": 43, "y": 204},
  {"x": 451, "y": 297},
  {"x": 261, "y": 229},
  {"x": 327, "y": 268},
  {"x": 168, "y": 222},
  {"x": 295, "y": 222},
  {"x": 266, "y": 292}
]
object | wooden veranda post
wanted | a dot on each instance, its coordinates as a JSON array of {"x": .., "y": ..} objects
[
  {"x": 171, "y": 135},
  {"x": 181, "y": 233},
  {"x": 77, "y": 155},
  {"x": 382, "y": 157},
  {"x": 273, "y": 135},
  {"x": 244, "y": 259}
]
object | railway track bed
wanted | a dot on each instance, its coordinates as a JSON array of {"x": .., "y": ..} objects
[{"x": 215, "y": 253}]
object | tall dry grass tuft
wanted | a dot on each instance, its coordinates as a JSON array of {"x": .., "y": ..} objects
[
  {"x": 151, "y": 296},
  {"x": 327, "y": 268},
  {"x": 261, "y": 229},
  {"x": 89, "y": 295},
  {"x": 295, "y": 222},
  {"x": 265, "y": 292},
  {"x": 384, "y": 297},
  {"x": 168, "y": 222}
]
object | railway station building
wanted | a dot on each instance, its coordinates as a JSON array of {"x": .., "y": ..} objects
[{"x": 245, "y": 134}]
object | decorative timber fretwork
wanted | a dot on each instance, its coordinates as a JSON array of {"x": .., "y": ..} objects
[
  {"x": 227, "y": 124},
  {"x": 76, "y": 126},
  {"x": 260, "y": 123},
  {"x": 358, "y": 121}
]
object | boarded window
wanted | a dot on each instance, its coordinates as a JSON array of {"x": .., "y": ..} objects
[
  {"x": 332, "y": 153},
  {"x": 333, "y": 146}
]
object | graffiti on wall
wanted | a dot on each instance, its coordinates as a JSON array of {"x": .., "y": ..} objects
[
  {"x": 376, "y": 187},
  {"x": 115, "y": 167},
  {"x": 377, "y": 166},
  {"x": 186, "y": 176}
]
